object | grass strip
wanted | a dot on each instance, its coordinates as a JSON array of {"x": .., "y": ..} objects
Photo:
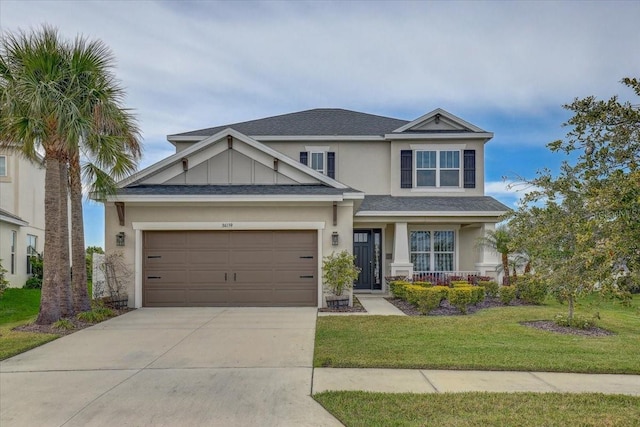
[{"x": 356, "y": 408}]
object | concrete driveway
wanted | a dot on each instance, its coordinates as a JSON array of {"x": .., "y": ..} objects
[{"x": 168, "y": 367}]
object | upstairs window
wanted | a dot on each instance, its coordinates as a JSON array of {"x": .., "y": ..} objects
[
  {"x": 3, "y": 165},
  {"x": 437, "y": 169},
  {"x": 321, "y": 161}
]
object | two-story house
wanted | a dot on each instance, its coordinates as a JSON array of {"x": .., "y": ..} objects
[
  {"x": 21, "y": 214},
  {"x": 243, "y": 214}
]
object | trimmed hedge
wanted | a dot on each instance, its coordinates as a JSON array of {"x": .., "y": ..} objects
[
  {"x": 531, "y": 289},
  {"x": 432, "y": 298},
  {"x": 398, "y": 289},
  {"x": 507, "y": 294},
  {"x": 491, "y": 287},
  {"x": 461, "y": 298}
]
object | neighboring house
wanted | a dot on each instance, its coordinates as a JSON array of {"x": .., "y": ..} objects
[
  {"x": 21, "y": 214},
  {"x": 242, "y": 214}
]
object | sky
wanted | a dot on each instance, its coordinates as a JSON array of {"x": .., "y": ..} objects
[{"x": 507, "y": 67}]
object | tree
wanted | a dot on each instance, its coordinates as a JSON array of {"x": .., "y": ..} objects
[
  {"x": 500, "y": 241},
  {"x": 62, "y": 98},
  {"x": 109, "y": 143},
  {"x": 580, "y": 227}
]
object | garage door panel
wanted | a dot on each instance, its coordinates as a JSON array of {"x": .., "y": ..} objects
[
  {"x": 165, "y": 239},
  {"x": 209, "y": 257},
  {"x": 208, "y": 239},
  {"x": 217, "y": 268}
]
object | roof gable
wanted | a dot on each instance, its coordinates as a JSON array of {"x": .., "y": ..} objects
[
  {"x": 439, "y": 121},
  {"x": 257, "y": 163}
]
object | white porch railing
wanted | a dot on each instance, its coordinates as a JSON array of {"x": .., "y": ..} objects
[{"x": 445, "y": 277}]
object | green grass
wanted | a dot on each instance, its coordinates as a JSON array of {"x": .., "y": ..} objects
[
  {"x": 481, "y": 409},
  {"x": 18, "y": 307},
  {"x": 490, "y": 339}
]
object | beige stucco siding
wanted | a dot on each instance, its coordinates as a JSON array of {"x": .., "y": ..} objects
[
  {"x": 468, "y": 247},
  {"x": 21, "y": 194},
  {"x": 360, "y": 165},
  {"x": 239, "y": 215}
]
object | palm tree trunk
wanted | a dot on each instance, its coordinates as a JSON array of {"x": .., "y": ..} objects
[
  {"x": 505, "y": 268},
  {"x": 66, "y": 306},
  {"x": 49, "y": 307},
  {"x": 78, "y": 263}
]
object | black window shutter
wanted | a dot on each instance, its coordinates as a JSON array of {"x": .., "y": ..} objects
[
  {"x": 331, "y": 164},
  {"x": 469, "y": 168},
  {"x": 406, "y": 169},
  {"x": 303, "y": 158}
]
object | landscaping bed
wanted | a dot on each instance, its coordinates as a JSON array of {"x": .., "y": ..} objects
[{"x": 357, "y": 308}]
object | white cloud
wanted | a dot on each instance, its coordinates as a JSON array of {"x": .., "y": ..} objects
[{"x": 508, "y": 192}]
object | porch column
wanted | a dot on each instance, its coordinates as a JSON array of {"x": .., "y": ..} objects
[
  {"x": 401, "y": 265},
  {"x": 488, "y": 259}
]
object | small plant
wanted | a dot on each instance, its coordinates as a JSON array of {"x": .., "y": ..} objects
[
  {"x": 340, "y": 272},
  {"x": 96, "y": 315},
  {"x": 398, "y": 289},
  {"x": 507, "y": 294},
  {"x": 579, "y": 322},
  {"x": 491, "y": 287},
  {"x": 461, "y": 298},
  {"x": 531, "y": 288},
  {"x": 432, "y": 298},
  {"x": 33, "y": 283},
  {"x": 65, "y": 324},
  {"x": 4, "y": 283}
]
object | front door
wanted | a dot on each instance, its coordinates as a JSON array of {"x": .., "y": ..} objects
[{"x": 367, "y": 248}]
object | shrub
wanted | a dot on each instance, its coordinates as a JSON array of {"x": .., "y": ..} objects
[
  {"x": 397, "y": 289},
  {"x": 579, "y": 322},
  {"x": 423, "y": 284},
  {"x": 413, "y": 292},
  {"x": 4, "y": 284},
  {"x": 432, "y": 298},
  {"x": 339, "y": 271},
  {"x": 63, "y": 324},
  {"x": 531, "y": 288},
  {"x": 33, "y": 283},
  {"x": 507, "y": 294},
  {"x": 491, "y": 287},
  {"x": 477, "y": 294},
  {"x": 459, "y": 283},
  {"x": 461, "y": 298},
  {"x": 96, "y": 315}
]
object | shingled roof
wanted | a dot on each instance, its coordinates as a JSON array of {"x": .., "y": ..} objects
[
  {"x": 227, "y": 190},
  {"x": 431, "y": 204},
  {"x": 319, "y": 121}
]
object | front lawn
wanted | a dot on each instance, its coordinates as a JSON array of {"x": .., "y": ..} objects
[
  {"x": 359, "y": 408},
  {"x": 491, "y": 339},
  {"x": 18, "y": 307}
]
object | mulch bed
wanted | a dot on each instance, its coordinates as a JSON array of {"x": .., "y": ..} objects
[
  {"x": 77, "y": 325},
  {"x": 357, "y": 308},
  {"x": 447, "y": 309}
]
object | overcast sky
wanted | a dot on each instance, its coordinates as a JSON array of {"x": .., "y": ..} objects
[{"x": 507, "y": 67}]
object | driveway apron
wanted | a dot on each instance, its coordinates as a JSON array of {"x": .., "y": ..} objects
[{"x": 171, "y": 366}]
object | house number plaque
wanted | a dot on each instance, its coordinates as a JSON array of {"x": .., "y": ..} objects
[{"x": 227, "y": 225}]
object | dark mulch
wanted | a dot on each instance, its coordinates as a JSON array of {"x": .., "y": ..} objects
[
  {"x": 548, "y": 325},
  {"x": 447, "y": 309},
  {"x": 77, "y": 325},
  {"x": 357, "y": 308}
]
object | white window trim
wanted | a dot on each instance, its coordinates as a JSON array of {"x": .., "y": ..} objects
[
  {"x": 438, "y": 169},
  {"x": 324, "y": 161},
  {"x": 14, "y": 244},
  {"x": 6, "y": 166}
]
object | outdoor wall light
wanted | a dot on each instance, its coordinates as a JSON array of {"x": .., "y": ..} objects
[
  {"x": 120, "y": 239},
  {"x": 334, "y": 238}
]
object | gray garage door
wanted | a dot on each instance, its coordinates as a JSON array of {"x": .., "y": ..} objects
[{"x": 234, "y": 268}]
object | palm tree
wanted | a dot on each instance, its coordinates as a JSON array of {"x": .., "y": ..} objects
[
  {"x": 62, "y": 98},
  {"x": 110, "y": 145},
  {"x": 500, "y": 241}
]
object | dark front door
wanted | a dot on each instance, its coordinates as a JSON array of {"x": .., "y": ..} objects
[{"x": 367, "y": 248}]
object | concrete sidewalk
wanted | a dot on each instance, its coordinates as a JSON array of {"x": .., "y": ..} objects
[
  {"x": 375, "y": 304},
  {"x": 444, "y": 381}
]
